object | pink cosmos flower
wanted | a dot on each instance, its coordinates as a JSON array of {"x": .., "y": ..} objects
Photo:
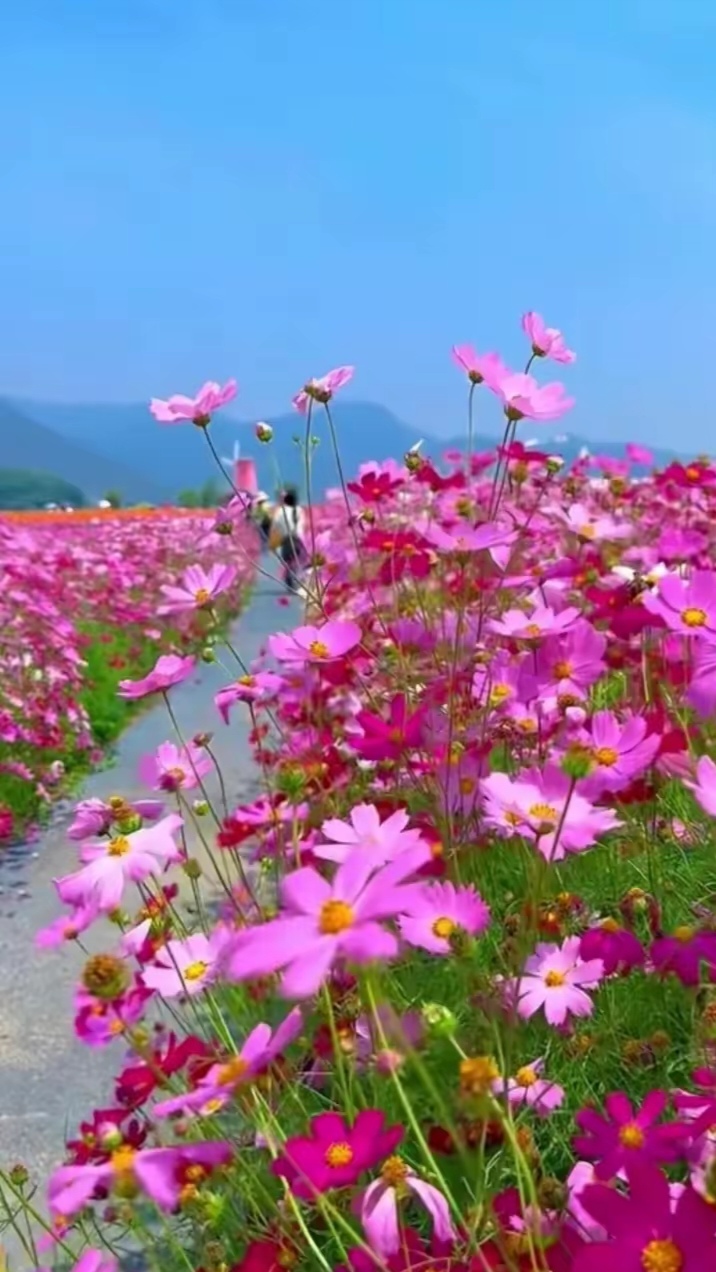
[
  {"x": 542, "y": 621},
  {"x": 94, "y": 817},
  {"x": 488, "y": 537},
  {"x": 639, "y": 454},
  {"x": 582, "y": 1174},
  {"x": 543, "y": 807},
  {"x": 620, "y": 751},
  {"x": 159, "y": 1172},
  {"x": 440, "y": 911},
  {"x": 524, "y": 398},
  {"x": 688, "y": 953},
  {"x": 547, "y": 342},
  {"x": 322, "y": 389},
  {"x": 186, "y": 967},
  {"x": 528, "y": 1087},
  {"x": 625, "y": 1136},
  {"x": 168, "y": 670},
  {"x": 67, "y": 927},
  {"x": 198, "y": 589},
  {"x": 701, "y": 693},
  {"x": 321, "y": 922},
  {"x": 380, "y": 1207},
  {"x": 389, "y": 739},
  {"x": 479, "y": 366},
  {"x": 99, "y": 1022},
  {"x": 647, "y": 1231},
  {"x": 555, "y": 979},
  {"x": 110, "y": 864},
  {"x": 253, "y": 687},
  {"x": 326, "y": 643},
  {"x": 381, "y": 840},
  {"x": 334, "y": 1154},
  {"x": 219, "y": 1085},
  {"x": 570, "y": 664},
  {"x": 199, "y": 409},
  {"x": 173, "y": 768},
  {"x": 591, "y": 528},
  {"x": 704, "y": 787},
  {"x": 686, "y": 605}
]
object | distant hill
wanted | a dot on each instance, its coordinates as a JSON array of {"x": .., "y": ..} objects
[
  {"x": 27, "y": 444},
  {"x": 178, "y": 457},
  {"x": 30, "y": 488}
]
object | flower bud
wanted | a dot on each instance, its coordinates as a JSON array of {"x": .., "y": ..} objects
[
  {"x": 439, "y": 1019},
  {"x": 19, "y": 1175},
  {"x": 192, "y": 868},
  {"x": 207, "y": 654},
  {"x": 263, "y": 432},
  {"x": 200, "y": 807},
  {"x": 105, "y": 976}
]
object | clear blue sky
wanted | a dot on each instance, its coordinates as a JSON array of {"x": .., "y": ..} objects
[{"x": 264, "y": 188}]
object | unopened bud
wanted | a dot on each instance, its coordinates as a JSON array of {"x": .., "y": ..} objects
[
  {"x": 192, "y": 868},
  {"x": 19, "y": 1175},
  {"x": 200, "y": 807},
  {"x": 263, "y": 432},
  {"x": 439, "y": 1019},
  {"x": 202, "y": 739},
  {"x": 577, "y": 763},
  {"x": 207, "y": 654},
  {"x": 554, "y": 463}
]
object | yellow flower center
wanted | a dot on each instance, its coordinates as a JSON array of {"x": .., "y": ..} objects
[
  {"x": 554, "y": 979},
  {"x": 694, "y": 617},
  {"x": 122, "y": 1162},
  {"x": 562, "y": 670},
  {"x": 533, "y": 629},
  {"x": 477, "y": 1074},
  {"x": 233, "y": 1071},
  {"x": 202, "y": 597},
  {"x": 245, "y": 680},
  {"x": 631, "y": 1136},
  {"x": 177, "y": 775},
  {"x": 543, "y": 813},
  {"x": 335, "y": 917},
  {"x": 606, "y": 756},
  {"x": 444, "y": 927},
  {"x": 527, "y": 725},
  {"x": 587, "y": 532},
  {"x": 692, "y": 473},
  {"x": 337, "y": 1155},
  {"x": 467, "y": 785},
  {"x": 525, "y": 1077},
  {"x": 609, "y": 925},
  {"x": 318, "y": 649},
  {"x": 683, "y": 933},
  {"x": 394, "y": 1171},
  {"x": 195, "y": 971},
  {"x": 498, "y": 693},
  {"x": 211, "y": 1107},
  {"x": 662, "y": 1256},
  {"x": 118, "y": 847}
]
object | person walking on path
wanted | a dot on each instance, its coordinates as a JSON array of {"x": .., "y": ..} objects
[{"x": 287, "y": 537}]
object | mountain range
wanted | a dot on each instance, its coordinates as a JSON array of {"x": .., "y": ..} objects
[{"x": 105, "y": 445}]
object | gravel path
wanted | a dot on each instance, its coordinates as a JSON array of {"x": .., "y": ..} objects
[{"x": 48, "y": 1080}]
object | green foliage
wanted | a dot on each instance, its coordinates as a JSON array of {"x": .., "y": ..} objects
[
  {"x": 206, "y": 496},
  {"x": 25, "y": 488},
  {"x": 114, "y": 498}
]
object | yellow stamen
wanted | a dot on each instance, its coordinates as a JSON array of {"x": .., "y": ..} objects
[{"x": 335, "y": 917}]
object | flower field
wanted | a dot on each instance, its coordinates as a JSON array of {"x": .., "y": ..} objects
[
  {"x": 458, "y": 1011},
  {"x": 79, "y": 612}
]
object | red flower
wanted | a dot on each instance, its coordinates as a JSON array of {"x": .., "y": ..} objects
[{"x": 391, "y": 738}]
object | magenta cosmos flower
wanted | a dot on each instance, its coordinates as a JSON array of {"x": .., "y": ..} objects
[
  {"x": 688, "y": 953},
  {"x": 686, "y": 605},
  {"x": 380, "y": 840},
  {"x": 174, "y": 768},
  {"x": 198, "y": 589},
  {"x": 547, "y": 342},
  {"x": 112, "y": 863},
  {"x": 620, "y": 751},
  {"x": 618, "y": 948},
  {"x": 260, "y": 1050},
  {"x": 168, "y": 670},
  {"x": 321, "y": 922},
  {"x": 646, "y": 1231},
  {"x": 334, "y": 1154},
  {"x": 523, "y": 398},
  {"x": 704, "y": 787},
  {"x": 158, "y": 1172},
  {"x": 529, "y": 1088},
  {"x": 479, "y": 367},
  {"x": 542, "y": 621},
  {"x": 555, "y": 980},
  {"x": 440, "y": 911},
  {"x": 625, "y": 1136},
  {"x": 543, "y": 807},
  {"x": 322, "y": 389},
  {"x": 186, "y": 967},
  {"x": 326, "y": 643},
  {"x": 199, "y": 409},
  {"x": 380, "y": 1207}
]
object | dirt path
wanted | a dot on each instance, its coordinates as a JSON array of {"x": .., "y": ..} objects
[{"x": 48, "y": 1080}]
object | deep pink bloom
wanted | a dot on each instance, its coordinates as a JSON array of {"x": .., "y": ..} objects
[
  {"x": 639, "y": 454},
  {"x": 334, "y": 1154},
  {"x": 380, "y": 840},
  {"x": 198, "y": 588},
  {"x": 322, "y": 389},
  {"x": 98, "y": 1022},
  {"x": 688, "y": 953},
  {"x": 379, "y": 1207},
  {"x": 439, "y": 911},
  {"x": 617, "y": 947},
  {"x": 685, "y": 605},
  {"x": 174, "y": 768},
  {"x": 112, "y": 863},
  {"x": 625, "y": 1136},
  {"x": 321, "y": 922},
  {"x": 389, "y": 739},
  {"x": 168, "y": 670},
  {"x": 156, "y": 1171},
  {"x": 199, "y": 409},
  {"x": 479, "y": 366},
  {"x": 547, "y": 342},
  {"x": 323, "y": 644},
  {"x": 704, "y": 787},
  {"x": 524, "y": 398},
  {"x": 646, "y": 1231},
  {"x": 528, "y": 1087},
  {"x": 701, "y": 693},
  {"x": 555, "y": 979}
]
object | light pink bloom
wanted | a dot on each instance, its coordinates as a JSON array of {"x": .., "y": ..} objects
[
  {"x": 253, "y": 687},
  {"x": 168, "y": 670},
  {"x": 322, "y": 389},
  {"x": 547, "y": 342},
  {"x": 591, "y": 527},
  {"x": 379, "y": 1207},
  {"x": 176, "y": 409},
  {"x": 157, "y": 1171},
  {"x": 555, "y": 980},
  {"x": 112, "y": 863},
  {"x": 94, "y": 817},
  {"x": 487, "y": 367},
  {"x": 440, "y": 911},
  {"x": 704, "y": 787},
  {"x": 542, "y": 621},
  {"x": 530, "y": 1088},
  {"x": 186, "y": 967},
  {"x": 524, "y": 398},
  {"x": 381, "y": 840},
  {"x": 331, "y": 640},
  {"x": 489, "y": 537},
  {"x": 198, "y": 589},
  {"x": 686, "y": 605},
  {"x": 173, "y": 768},
  {"x": 67, "y": 927},
  {"x": 543, "y": 807}
]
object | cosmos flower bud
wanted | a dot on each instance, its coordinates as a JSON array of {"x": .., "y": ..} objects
[
  {"x": 477, "y": 1075},
  {"x": 439, "y": 1019},
  {"x": 263, "y": 432},
  {"x": 200, "y": 807},
  {"x": 19, "y": 1175},
  {"x": 554, "y": 464},
  {"x": 105, "y": 976},
  {"x": 192, "y": 868},
  {"x": 207, "y": 654}
]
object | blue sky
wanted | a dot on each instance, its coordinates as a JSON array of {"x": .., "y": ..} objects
[{"x": 266, "y": 188}]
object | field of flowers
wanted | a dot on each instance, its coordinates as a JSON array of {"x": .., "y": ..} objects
[
  {"x": 457, "y": 1012},
  {"x": 79, "y": 611}
]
